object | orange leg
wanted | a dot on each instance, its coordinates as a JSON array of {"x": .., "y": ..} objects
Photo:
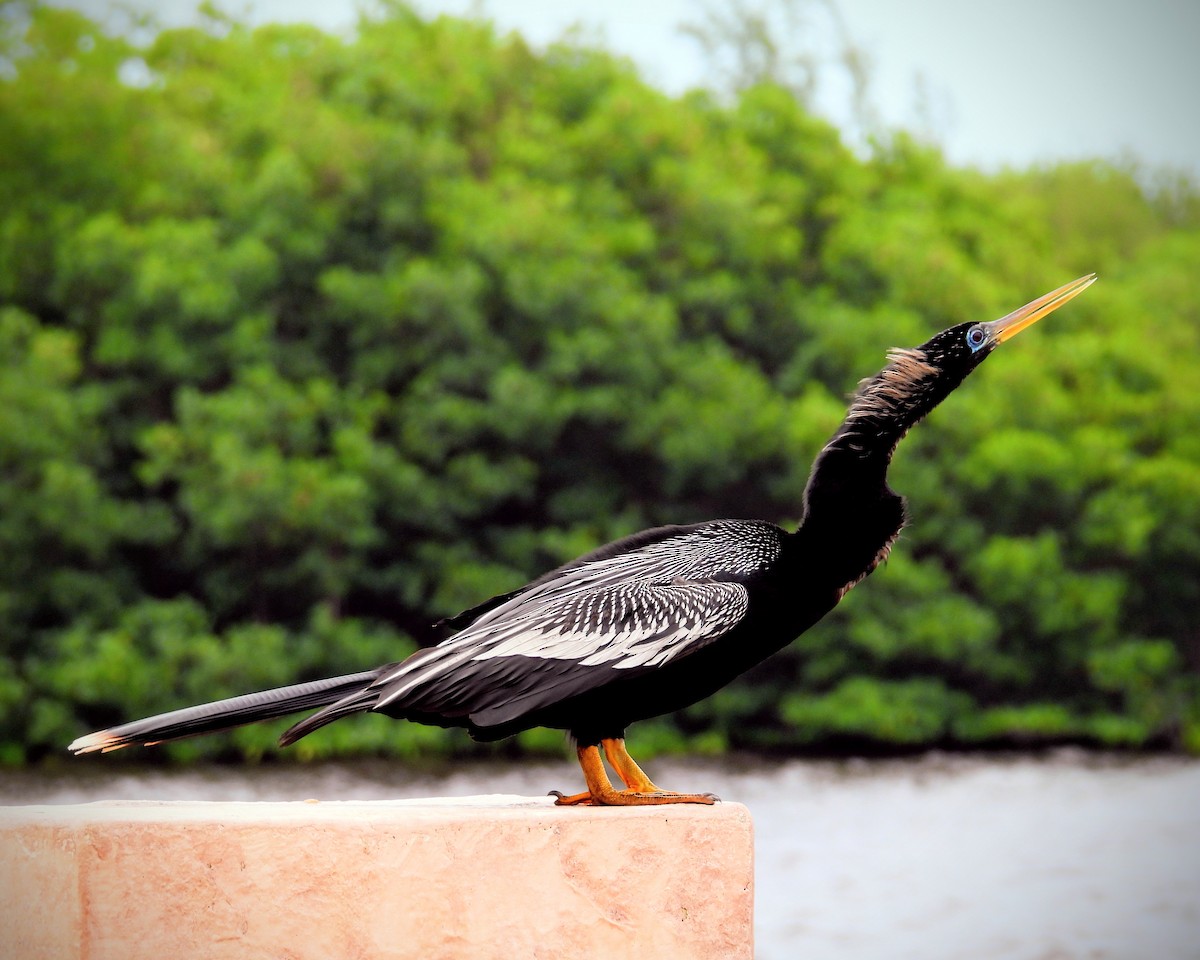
[
  {"x": 633, "y": 776},
  {"x": 639, "y": 788}
]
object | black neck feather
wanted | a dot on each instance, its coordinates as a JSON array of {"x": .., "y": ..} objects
[{"x": 853, "y": 465}]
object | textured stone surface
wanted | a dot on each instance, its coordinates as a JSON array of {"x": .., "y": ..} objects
[{"x": 476, "y": 877}]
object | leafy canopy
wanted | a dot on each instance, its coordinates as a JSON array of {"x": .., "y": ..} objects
[{"x": 306, "y": 342}]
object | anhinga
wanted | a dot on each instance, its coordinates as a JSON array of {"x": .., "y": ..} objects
[{"x": 653, "y": 622}]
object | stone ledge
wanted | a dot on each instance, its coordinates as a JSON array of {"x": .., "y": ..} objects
[{"x": 476, "y": 877}]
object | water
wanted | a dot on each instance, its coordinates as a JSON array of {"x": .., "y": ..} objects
[{"x": 1066, "y": 855}]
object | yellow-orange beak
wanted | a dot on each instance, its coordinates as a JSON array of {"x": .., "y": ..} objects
[{"x": 1032, "y": 312}]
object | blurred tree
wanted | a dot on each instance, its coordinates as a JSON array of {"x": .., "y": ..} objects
[{"x": 306, "y": 342}]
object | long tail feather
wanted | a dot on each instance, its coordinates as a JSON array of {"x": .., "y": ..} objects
[
  {"x": 354, "y": 702},
  {"x": 224, "y": 714}
]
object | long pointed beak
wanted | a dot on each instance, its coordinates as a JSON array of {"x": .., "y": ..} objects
[{"x": 1032, "y": 312}]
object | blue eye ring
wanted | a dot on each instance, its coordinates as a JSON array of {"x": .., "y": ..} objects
[{"x": 976, "y": 337}]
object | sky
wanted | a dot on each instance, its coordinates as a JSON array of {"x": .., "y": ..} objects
[{"x": 994, "y": 82}]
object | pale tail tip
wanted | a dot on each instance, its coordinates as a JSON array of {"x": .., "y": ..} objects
[{"x": 101, "y": 742}]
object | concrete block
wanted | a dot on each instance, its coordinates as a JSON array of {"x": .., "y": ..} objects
[{"x": 480, "y": 877}]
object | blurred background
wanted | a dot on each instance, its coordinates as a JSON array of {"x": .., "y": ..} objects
[{"x": 313, "y": 333}]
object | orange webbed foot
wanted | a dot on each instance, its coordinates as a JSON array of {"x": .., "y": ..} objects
[{"x": 639, "y": 789}]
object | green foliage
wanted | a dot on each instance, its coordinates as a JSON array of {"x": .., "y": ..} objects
[
  {"x": 307, "y": 342},
  {"x": 914, "y": 711}
]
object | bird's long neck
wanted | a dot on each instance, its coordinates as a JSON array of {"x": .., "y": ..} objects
[
  {"x": 887, "y": 406},
  {"x": 851, "y": 516},
  {"x": 852, "y": 467},
  {"x": 851, "y": 471}
]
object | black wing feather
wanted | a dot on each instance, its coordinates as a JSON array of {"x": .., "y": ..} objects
[{"x": 626, "y": 608}]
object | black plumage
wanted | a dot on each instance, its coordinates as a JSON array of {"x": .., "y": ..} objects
[{"x": 653, "y": 622}]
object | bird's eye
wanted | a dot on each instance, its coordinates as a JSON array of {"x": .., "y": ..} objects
[{"x": 976, "y": 337}]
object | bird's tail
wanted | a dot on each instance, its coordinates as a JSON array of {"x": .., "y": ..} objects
[
  {"x": 226, "y": 714},
  {"x": 356, "y": 701}
]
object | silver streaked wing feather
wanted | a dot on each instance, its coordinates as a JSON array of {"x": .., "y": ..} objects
[
  {"x": 720, "y": 550},
  {"x": 640, "y": 607},
  {"x": 623, "y": 626}
]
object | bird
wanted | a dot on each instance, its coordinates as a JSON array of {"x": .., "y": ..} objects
[{"x": 653, "y": 622}]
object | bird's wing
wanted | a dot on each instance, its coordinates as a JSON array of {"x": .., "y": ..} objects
[
  {"x": 641, "y": 606},
  {"x": 623, "y": 625}
]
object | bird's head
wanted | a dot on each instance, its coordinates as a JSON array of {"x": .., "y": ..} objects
[
  {"x": 960, "y": 349},
  {"x": 917, "y": 380}
]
